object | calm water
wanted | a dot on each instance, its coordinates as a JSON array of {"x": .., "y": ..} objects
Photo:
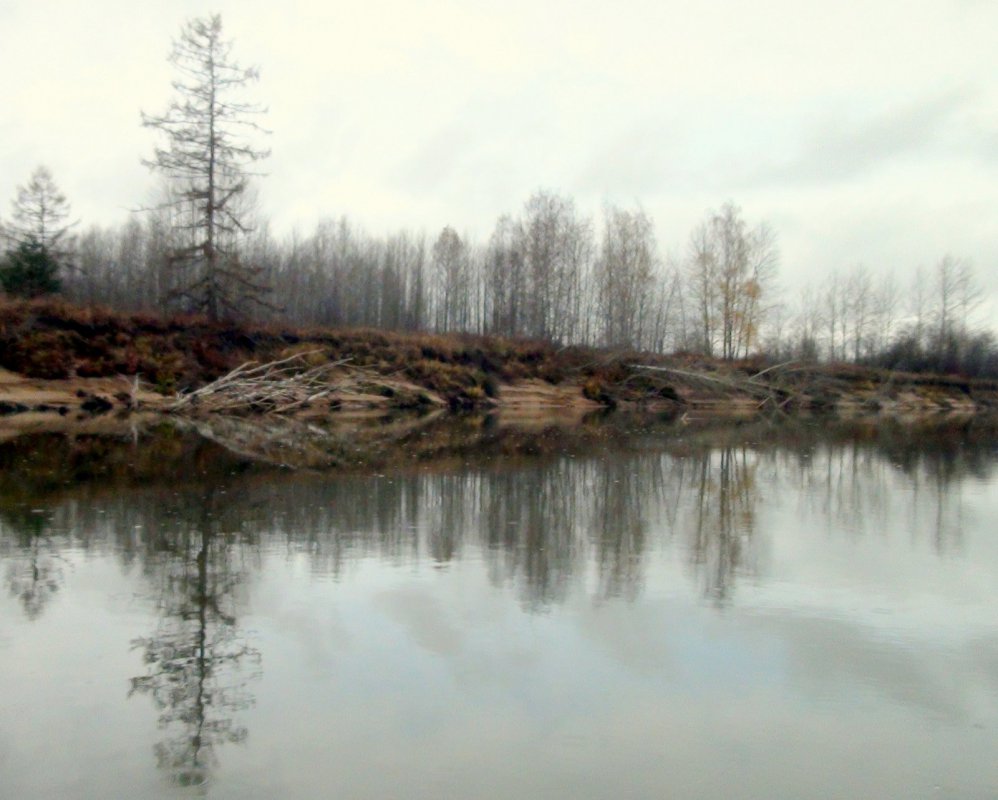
[{"x": 808, "y": 611}]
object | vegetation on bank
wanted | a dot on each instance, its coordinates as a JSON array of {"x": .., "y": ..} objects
[
  {"x": 50, "y": 339},
  {"x": 547, "y": 273}
]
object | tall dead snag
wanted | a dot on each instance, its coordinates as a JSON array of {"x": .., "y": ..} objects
[{"x": 206, "y": 158}]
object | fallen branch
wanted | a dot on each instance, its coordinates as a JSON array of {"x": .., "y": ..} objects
[
  {"x": 276, "y": 387},
  {"x": 778, "y": 396},
  {"x": 746, "y": 386}
]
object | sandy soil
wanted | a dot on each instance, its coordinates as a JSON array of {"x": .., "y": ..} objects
[
  {"x": 34, "y": 404},
  {"x": 28, "y": 404},
  {"x": 71, "y": 395},
  {"x": 120, "y": 392},
  {"x": 536, "y": 394}
]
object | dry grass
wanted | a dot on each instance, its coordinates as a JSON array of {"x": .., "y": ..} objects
[{"x": 52, "y": 339}]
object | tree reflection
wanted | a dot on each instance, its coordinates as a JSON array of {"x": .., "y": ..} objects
[
  {"x": 530, "y": 525},
  {"x": 852, "y": 486},
  {"x": 197, "y": 659},
  {"x": 550, "y": 508},
  {"x": 622, "y": 494},
  {"x": 34, "y": 570},
  {"x": 723, "y": 518}
]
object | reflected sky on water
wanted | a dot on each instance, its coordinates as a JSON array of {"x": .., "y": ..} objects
[{"x": 627, "y": 610}]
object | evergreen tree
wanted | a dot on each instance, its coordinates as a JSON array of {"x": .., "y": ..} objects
[{"x": 29, "y": 270}]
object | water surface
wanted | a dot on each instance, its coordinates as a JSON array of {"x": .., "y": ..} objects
[{"x": 805, "y": 610}]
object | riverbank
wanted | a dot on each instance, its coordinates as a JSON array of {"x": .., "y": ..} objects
[{"x": 60, "y": 360}]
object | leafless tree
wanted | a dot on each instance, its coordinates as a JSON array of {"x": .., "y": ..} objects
[
  {"x": 410, "y": 250},
  {"x": 536, "y": 269},
  {"x": 807, "y": 327},
  {"x": 544, "y": 273},
  {"x": 556, "y": 245},
  {"x": 40, "y": 214},
  {"x": 667, "y": 324},
  {"x": 505, "y": 280},
  {"x": 729, "y": 270},
  {"x": 702, "y": 282},
  {"x": 625, "y": 273},
  {"x": 917, "y": 305},
  {"x": 956, "y": 296},
  {"x": 833, "y": 316},
  {"x": 886, "y": 298},
  {"x": 207, "y": 157},
  {"x": 451, "y": 270},
  {"x": 859, "y": 310}
]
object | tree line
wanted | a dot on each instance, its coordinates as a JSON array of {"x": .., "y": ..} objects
[{"x": 545, "y": 272}]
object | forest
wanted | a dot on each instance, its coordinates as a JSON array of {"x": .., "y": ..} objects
[{"x": 547, "y": 272}]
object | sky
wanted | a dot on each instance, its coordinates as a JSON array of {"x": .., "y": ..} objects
[{"x": 863, "y": 133}]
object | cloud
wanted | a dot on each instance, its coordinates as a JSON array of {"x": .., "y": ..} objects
[
  {"x": 639, "y": 161},
  {"x": 435, "y": 160},
  {"x": 427, "y": 622},
  {"x": 838, "y": 150}
]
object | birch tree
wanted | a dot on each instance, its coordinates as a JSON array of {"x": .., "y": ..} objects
[
  {"x": 504, "y": 278},
  {"x": 450, "y": 261},
  {"x": 729, "y": 270},
  {"x": 625, "y": 273}
]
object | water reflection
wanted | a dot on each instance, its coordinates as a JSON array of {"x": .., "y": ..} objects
[
  {"x": 724, "y": 518},
  {"x": 199, "y": 663},
  {"x": 582, "y": 495},
  {"x": 34, "y": 564},
  {"x": 546, "y": 516},
  {"x": 851, "y": 486}
]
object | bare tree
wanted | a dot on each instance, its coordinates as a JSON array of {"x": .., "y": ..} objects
[
  {"x": 956, "y": 296},
  {"x": 809, "y": 319},
  {"x": 625, "y": 274},
  {"x": 206, "y": 158},
  {"x": 451, "y": 269},
  {"x": 702, "y": 287},
  {"x": 834, "y": 305},
  {"x": 556, "y": 245},
  {"x": 505, "y": 280},
  {"x": 667, "y": 321},
  {"x": 886, "y": 302},
  {"x": 412, "y": 256},
  {"x": 730, "y": 268},
  {"x": 859, "y": 310},
  {"x": 40, "y": 215}
]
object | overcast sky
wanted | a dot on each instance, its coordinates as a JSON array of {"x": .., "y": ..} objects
[{"x": 862, "y": 132}]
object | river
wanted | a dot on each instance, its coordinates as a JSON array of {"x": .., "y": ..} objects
[{"x": 801, "y": 609}]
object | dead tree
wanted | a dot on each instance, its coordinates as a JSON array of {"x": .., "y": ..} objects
[{"x": 207, "y": 158}]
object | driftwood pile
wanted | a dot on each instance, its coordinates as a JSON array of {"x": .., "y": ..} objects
[{"x": 277, "y": 387}]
